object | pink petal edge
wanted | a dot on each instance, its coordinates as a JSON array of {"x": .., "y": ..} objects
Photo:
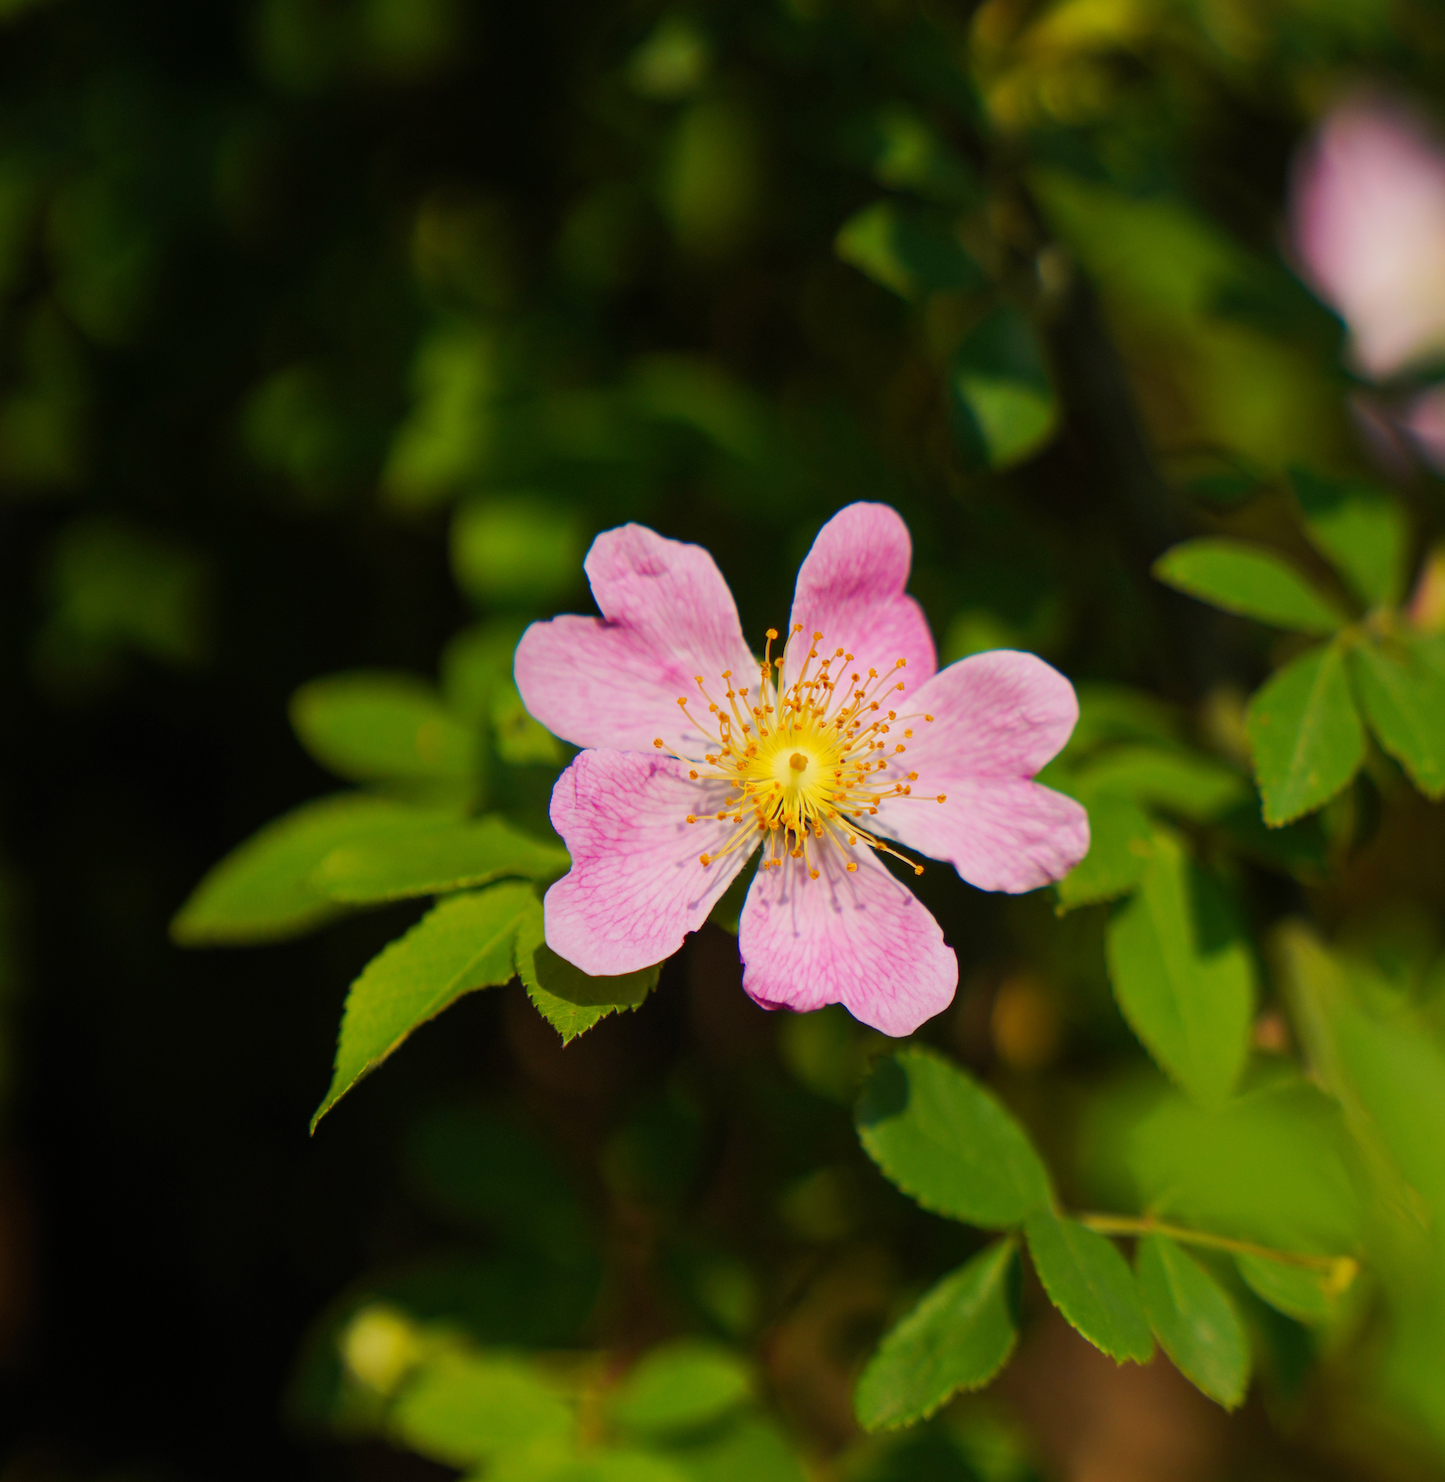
[
  {"x": 637, "y": 886},
  {"x": 860, "y": 939}
]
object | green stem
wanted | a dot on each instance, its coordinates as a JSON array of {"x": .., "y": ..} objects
[{"x": 1340, "y": 1270}]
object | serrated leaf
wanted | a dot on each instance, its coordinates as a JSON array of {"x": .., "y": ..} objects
[
  {"x": 455, "y": 856},
  {"x": 566, "y": 997},
  {"x": 1403, "y": 696},
  {"x": 1183, "y": 974},
  {"x": 465, "y": 942},
  {"x": 1120, "y": 842},
  {"x": 1001, "y": 398},
  {"x": 1091, "y": 1284},
  {"x": 383, "y": 727},
  {"x": 957, "y": 1338},
  {"x": 265, "y": 890},
  {"x": 1194, "y": 1320},
  {"x": 1306, "y": 1295},
  {"x": 464, "y": 1408},
  {"x": 906, "y": 251},
  {"x": 1361, "y": 530},
  {"x": 947, "y": 1143},
  {"x": 1305, "y": 734},
  {"x": 1249, "y": 580},
  {"x": 680, "y": 1387},
  {"x": 1179, "y": 782}
]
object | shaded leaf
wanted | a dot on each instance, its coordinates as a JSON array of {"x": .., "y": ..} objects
[
  {"x": 750, "y": 1447},
  {"x": 906, "y": 251},
  {"x": 383, "y": 727},
  {"x": 466, "y": 942},
  {"x": 1249, "y": 580},
  {"x": 1120, "y": 843},
  {"x": 1001, "y": 398},
  {"x": 945, "y": 1141},
  {"x": 1361, "y": 530},
  {"x": 265, "y": 889},
  {"x": 1305, "y": 734},
  {"x": 566, "y": 997},
  {"x": 957, "y": 1337},
  {"x": 1091, "y": 1284},
  {"x": 1180, "y": 782},
  {"x": 1182, "y": 973},
  {"x": 1403, "y": 696},
  {"x": 456, "y": 856},
  {"x": 680, "y": 1387},
  {"x": 1306, "y": 1295},
  {"x": 1194, "y": 1320}
]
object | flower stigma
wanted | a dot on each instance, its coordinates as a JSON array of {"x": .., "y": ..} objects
[{"x": 805, "y": 764}]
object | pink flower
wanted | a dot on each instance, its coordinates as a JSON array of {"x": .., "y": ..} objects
[
  {"x": 1368, "y": 222},
  {"x": 824, "y": 758}
]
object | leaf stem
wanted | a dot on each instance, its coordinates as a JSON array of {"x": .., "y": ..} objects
[{"x": 1340, "y": 1270}]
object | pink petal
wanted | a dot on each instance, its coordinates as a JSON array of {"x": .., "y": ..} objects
[
  {"x": 667, "y": 616},
  {"x": 859, "y": 939},
  {"x": 850, "y": 589},
  {"x": 637, "y": 885},
  {"x": 997, "y": 718}
]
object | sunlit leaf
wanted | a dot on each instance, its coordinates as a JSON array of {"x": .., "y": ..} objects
[
  {"x": 947, "y": 1143},
  {"x": 382, "y": 727},
  {"x": 1250, "y": 580},
  {"x": 516, "y": 548},
  {"x": 1194, "y": 1320},
  {"x": 1091, "y": 1284},
  {"x": 1001, "y": 398},
  {"x": 1183, "y": 974},
  {"x": 748, "y": 1447},
  {"x": 680, "y": 1387},
  {"x": 1403, "y": 696},
  {"x": 1120, "y": 843},
  {"x": 958, "y": 1337},
  {"x": 454, "y": 856},
  {"x": 1305, "y": 734},
  {"x": 265, "y": 890},
  {"x": 465, "y": 942},
  {"x": 1361, "y": 530}
]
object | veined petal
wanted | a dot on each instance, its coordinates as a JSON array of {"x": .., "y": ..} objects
[
  {"x": 850, "y": 589},
  {"x": 997, "y": 718},
  {"x": 667, "y": 616},
  {"x": 860, "y": 939},
  {"x": 637, "y": 885},
  {"x": 999, "y": 833}
]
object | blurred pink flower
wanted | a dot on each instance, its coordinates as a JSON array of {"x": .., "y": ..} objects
[
  {"x": 1424, "y": 420},
  {"x": 700, "y": 754},
  {"x": 1367, "y": 218}
]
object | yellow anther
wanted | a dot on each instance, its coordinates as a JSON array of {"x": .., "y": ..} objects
[{"x": 798, "y": 762}]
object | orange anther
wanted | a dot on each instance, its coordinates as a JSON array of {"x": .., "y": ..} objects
[
  {"x": 772, "y": 632},
  {"x": 942, "y": 797},
  {"x": 812, "y": 874},
  {"x": 928, "y": 717},
  {"x": 912, "y": 776},
  {"x": 692, "y": 817},
  {"x": 693, "y": 775},
  {"x": 658, "y": 742},
  {"x": 704, "y": 860},
  {"x": 852, "y": 865},
  {"x": 917, "y": 869},
  {"x": 817, "y": 637}
]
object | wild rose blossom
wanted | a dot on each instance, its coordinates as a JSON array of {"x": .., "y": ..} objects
[
  {"x": 1367, "y": 217},
  {"x": 823, "y": 756}
]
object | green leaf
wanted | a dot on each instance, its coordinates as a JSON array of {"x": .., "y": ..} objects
[
  {"x": 455, "y": 856},
  {"x": 749, "y": 1447},
  {"x": 1307, "y": 1296},
  {"x": 1120, "y": 843},
  {"x": 907, "y": 251},
  {"x": 958, "y": 1337},
  {"x": 1183, "y": 974},
  {"x": 383, "y": 727},
  {"x": 1249, "y": 580},
  {"x": 1194, "y": 1320},
  {"x": 566, "y": 997},
  {"x": 464, "y": 1408},
  {"x": 680, "y": 1387},
  {"x": 1403, "y": 696},
  {"x": 474, "y": 663},
  {"x": 466, "y": 942},
  {"x": 1360, "y": 530},
  {"x": 521, "y": 741},
  {"x": 1091, "y": 1284},
  {"x": 521, "y": 548},
  {"x": 1001, "y": 399},
  {"x": 1305, "y": 734},
  {"x": 945, "y": 1141},
  {"x": 265, "y": 889},
  {"x": 1179, "y": 782}
]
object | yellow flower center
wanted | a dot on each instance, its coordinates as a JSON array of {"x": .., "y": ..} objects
[{"x": 805, "y": 764}]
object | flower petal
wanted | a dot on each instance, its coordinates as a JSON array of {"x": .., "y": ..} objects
[
  {"x": 667, "y": 616},
  {"x": 860, "y": 939},
  {"x": 850, "y": 589},
  {"x": 997, "y": 718},
  {"x": 637, "y": 885}
]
